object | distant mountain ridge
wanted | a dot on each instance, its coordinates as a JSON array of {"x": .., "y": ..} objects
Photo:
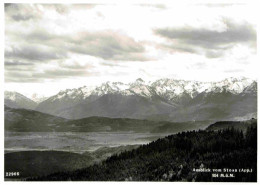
[
  {"x": 163, "y": 99},
  {"x": 167, "y": 88},
  {"x": 17, "y": 100},
  {"x": 23, "y": 120}
]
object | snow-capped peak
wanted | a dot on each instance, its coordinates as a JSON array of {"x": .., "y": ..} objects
[
  {"x": 17, "y": 100},
  {"x": 10, "y": 95},
  {"x": 38, "y": 98},
  {"x": 86, "y": 90},
  {"x": 166, "y": 88},
  {"x": 171, "y": 88},
  {"x": 234, "y": 85},
  {"x": 109, "y": 87},
  {"x": 79, "y": 93},
  {"x": 14, "y": 96}
]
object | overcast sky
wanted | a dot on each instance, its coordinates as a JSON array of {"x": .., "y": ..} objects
[{"x": 49, "y": 48}]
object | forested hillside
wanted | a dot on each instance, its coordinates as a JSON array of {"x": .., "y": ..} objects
[
  {"x": 36, "y": 163},
  {"x": 178, "y": 158},
  {"x": 241, "y": 125},
  {"x": 23, "y": 120}
]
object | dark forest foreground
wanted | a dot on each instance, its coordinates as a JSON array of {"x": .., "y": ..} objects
[{"x": 224, "y": 155}]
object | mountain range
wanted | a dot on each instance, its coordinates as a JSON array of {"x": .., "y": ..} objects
[{"x": 163, "y": 99}]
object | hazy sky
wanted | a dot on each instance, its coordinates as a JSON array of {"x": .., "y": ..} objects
[{"x": 53, "y": 47}]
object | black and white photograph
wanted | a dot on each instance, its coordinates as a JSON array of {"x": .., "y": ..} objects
[{"x": 134, "y": 91}]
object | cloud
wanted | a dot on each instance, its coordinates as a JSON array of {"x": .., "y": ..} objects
[
  {"x": 199, "y": 65},
  {"x": 22, "y": 12},
  {"x": 31, "y": 75},
  {"x": 16, "y": 79},
  {"x": 62, "y": 26},
  {"x": 30, "y": 70},
  {"x": 234, "y": 71},
  {"x": 60, "y": 73},
  {"x": 108, "y": 44},
  {"x": 221, "y": 5},
  {"x": 215, "y": 53},
  {"x": 214, "y": 43},
  {"x": 62, "y": 9},
  {"x": 176, "y": 47},
  {"x": 20, "y": 76},
  {"x": 52, "y": 42},
  {"x": 84, "y": 6},
  {"x": 20, "y": 17},
  {"x": 39, "y": 36},
  {"x": 158, "y": 6},
  {"x": 34, "y": 52},
  {"x": 7, "y": 5},
  {"x": 74, "y": 64},
  {"x": 17, "y": 63}
]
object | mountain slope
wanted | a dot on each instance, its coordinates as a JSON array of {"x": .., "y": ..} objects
[
  {"x": 17, "y": 100},
  {"x": 28, "y": 120},
  {"x": 117, "y": 105}
]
